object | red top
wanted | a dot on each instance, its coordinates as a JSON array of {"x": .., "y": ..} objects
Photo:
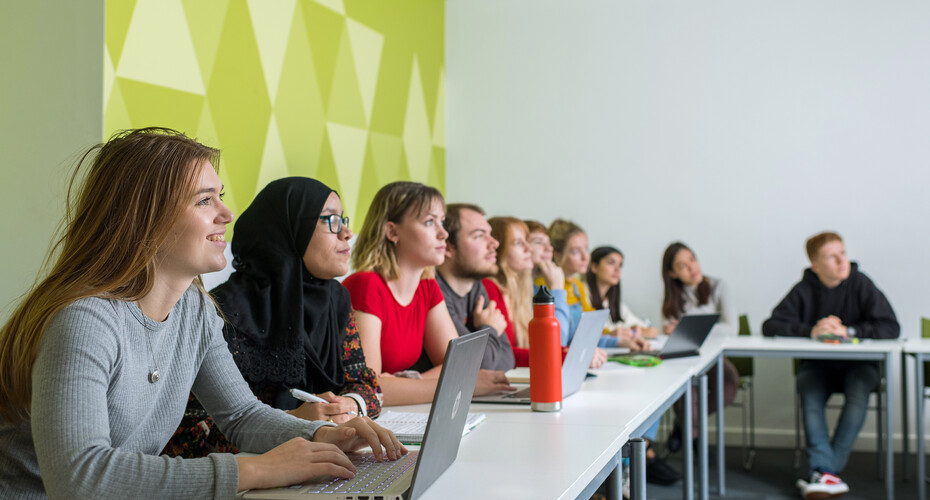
[
  {"x": 521, "y": 355},
  {"x": 402, "y": 326}
]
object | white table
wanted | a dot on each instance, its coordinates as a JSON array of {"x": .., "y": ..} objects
[
  {"x": 804, "y": 348},
  {"x": 920, "y": 350}
]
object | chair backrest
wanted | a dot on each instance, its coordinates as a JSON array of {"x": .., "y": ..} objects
[
  {"x": 925, "y": 333},
  {"x": 744, "y": 366}
]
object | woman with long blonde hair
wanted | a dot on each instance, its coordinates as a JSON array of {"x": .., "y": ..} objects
[
  {"x": 399, "y": 308},
  {"x": 97, "y": 361},
  {"x": 514, "y": 282}
]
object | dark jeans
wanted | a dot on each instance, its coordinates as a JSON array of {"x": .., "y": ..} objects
[{"x": 817, "y": 379}]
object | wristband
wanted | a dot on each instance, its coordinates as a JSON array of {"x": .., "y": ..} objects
[{"x": 360, "y": 402}]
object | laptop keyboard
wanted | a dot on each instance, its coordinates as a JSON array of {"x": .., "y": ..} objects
[
  {"x": 371, "y": 476},
  {"x": 521, "y": 394}
]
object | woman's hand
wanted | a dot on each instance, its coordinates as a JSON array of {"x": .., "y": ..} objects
[
  {"x": 337, "y": 410},
  {"x": 600, "y": 357},
  {"x": 669, "y": 327},
  {"x": 491, "y": 381},
  {"x": 359, "y": 433},
  {"x": 293, "y": 462},
  {"x": 553, "y": 274},
  {"x": 649, "y": 332},
  {"x": 635, "y": 344}
]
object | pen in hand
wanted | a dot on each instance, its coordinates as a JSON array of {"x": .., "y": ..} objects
[{"x": 310, "y": 398}]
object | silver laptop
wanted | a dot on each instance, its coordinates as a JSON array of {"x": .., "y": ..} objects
[
  {"x": 574, "y": 367},
  {"x": 408, "y": 477}
]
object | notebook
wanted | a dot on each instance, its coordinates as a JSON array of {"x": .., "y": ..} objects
[
  {"x": 409, "y": 427},
  {"x": 408, "y": 477},
  {"x": 574, "y": 367}
]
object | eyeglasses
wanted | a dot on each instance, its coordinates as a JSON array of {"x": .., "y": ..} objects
[{"x": 336, "y": 222}]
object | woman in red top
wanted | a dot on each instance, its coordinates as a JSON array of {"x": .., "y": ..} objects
[{"x": 399, "y": 309}]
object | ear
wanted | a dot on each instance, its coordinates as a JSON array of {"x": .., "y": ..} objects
[
  {"x": 673, "y": 274},
  {"x": 390, "y": 231},
  {"x": 450, "y": 251}
]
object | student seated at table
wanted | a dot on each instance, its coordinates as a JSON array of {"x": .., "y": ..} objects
[
  {"x": 603, "y": 283},
  {"x": 398, "y": 306},
  {"x": 689, "y": 291},
  {"x": 547, "y": 272},
  {"x": 832, "y": 298},
  {"x": 513, "y": 279},
  {"x": 289, "y": 323},
  {"x": 471, "y": 256},
  {"x": 96, "y": 363}
]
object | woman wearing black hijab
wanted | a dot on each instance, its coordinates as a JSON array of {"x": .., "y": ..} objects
[{"x": 289, "y": 323}]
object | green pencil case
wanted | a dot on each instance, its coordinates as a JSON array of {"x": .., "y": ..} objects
[{"x": 638, "y": 360}]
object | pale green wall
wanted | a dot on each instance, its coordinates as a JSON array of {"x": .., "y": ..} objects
[
  {"x": 349, "y": 92},
  {"x": 50, "y": 102}
]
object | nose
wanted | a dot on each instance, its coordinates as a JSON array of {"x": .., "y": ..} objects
[
  {"x": 225, "y": 215},
  {"x": 442, "y": 234},
  {"x": 493, "y": 244},
  {"x": 346, "y": 233}
]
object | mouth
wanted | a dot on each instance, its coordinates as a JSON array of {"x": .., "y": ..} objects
[
  {"x": 219, "y": 237},
  {"x": 344, "y": 252},
  {"x": 441, "y": 248}
]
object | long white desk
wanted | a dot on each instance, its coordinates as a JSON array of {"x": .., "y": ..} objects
[{"x": 802, "y": 348}]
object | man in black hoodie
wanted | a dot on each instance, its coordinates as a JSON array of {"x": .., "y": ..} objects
[{"x": 833, "y": 298}]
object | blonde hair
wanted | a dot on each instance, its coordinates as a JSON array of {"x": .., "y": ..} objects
[
  {"x": 135, "y": 190},
  {"x": 517, "y": 287},
  {"x": 393, "y": 202},
  {"x": 560, "y": 231}
]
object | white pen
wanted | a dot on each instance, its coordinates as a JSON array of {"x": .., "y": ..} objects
[{"x": 310, "y": 398}]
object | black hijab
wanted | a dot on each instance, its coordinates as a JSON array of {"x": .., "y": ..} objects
[{"x": 284, "y": 325}]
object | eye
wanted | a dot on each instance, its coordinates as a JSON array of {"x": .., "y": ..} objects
[
  {"x": 428, "y": 222},
  {"x": 222, "y": 195}
]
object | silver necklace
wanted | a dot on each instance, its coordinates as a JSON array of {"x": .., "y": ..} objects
[{"x": 154, "y": 375}]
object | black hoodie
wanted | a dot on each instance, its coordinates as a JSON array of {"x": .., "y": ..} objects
[{"x": 856, "y": 301}]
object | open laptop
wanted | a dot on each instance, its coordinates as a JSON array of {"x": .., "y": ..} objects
[
  {"x": 687, "y": 337},
  {"x": 408, "y": 477},
  {"x": 574, "y": 367}
]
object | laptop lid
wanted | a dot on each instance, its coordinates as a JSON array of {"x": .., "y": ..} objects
[
  {"x": 689, "y": 335},
  {"x": 449, "y": 410},
  {"x": 581, "y": 351},
  {"x": 575, "y": 365}
]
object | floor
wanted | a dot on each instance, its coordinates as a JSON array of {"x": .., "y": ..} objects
[{"x": 773, "y": 477}]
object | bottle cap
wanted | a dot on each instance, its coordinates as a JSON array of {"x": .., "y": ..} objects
[{"x": 543, "y": 296}]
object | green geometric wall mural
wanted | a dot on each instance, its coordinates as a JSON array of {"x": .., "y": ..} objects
[{"x": 350, "y": 92}]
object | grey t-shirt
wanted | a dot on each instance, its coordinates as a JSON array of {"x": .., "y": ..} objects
[
  {"x": 499, "y": 354},
  {"x": 97, "y": 424}
]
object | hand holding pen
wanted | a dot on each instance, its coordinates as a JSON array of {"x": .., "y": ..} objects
[{"x": 327, "y": 406}]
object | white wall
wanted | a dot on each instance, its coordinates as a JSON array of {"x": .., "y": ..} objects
[
  {"x": 738, "y": 127},
  {"x": 51, "y": 107}
]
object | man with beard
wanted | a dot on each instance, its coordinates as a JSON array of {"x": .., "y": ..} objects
[{"x": 471, "y": 256}]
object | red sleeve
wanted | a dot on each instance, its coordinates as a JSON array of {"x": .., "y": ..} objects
[
  {"x": 433, "y": 292},
  {"x": 521, "y": 355},
  {"x": 367, "y": 292}
]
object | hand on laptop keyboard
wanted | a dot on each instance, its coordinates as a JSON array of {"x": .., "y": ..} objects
[
  {"x": 359, "y": 433},
  {"x": 293, "y": 462}
]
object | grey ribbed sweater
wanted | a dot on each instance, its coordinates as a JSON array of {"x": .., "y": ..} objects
[{"x": 98, "y": 425}]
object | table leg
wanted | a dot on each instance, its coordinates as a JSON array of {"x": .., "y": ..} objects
[
  {"x": 721, "y": 469},
  {"x": 638, "y": 469},
  {"x": 686, "y": 438},
  {"x": 702, "y": 437},
  {"x": 919, "y": 404},
  {"x": 889, "y": 427},
  {"x": 904, "y": 423}
]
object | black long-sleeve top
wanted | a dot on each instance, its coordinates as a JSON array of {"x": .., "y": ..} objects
[{"x": 856, "y": 301}]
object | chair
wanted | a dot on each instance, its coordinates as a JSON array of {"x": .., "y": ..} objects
[
  {"x": 879, "y": 418},
  {"x": 746, "y": 369}
]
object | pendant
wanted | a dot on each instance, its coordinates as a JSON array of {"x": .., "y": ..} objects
[{"x": 154, "y": 376}]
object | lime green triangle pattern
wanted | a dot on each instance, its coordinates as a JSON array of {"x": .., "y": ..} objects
[
  {"x": 345, "y": 98},
  {"x": 239, "y": 101},
  {"x": 150, "y": 105},
  {"x": 118, "y": 16},
  {"x": 205, "y": 23},
  {"x": 298, "y": 108},
  {"x": 324, "y": 30},
  {"x": 350, "y": 92},
  {"x": 269, "y": 20}
]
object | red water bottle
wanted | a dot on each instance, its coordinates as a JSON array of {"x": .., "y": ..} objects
[{"x": 545, "y": 354}]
